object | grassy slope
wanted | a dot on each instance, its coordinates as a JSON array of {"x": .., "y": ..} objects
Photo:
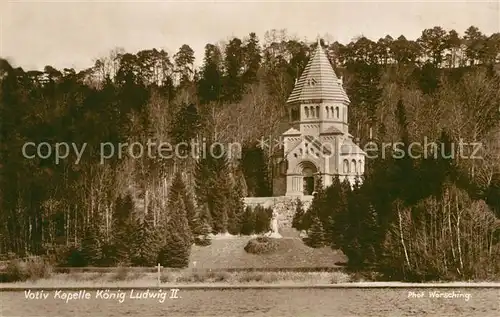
[{"x": 230, "y": 253}]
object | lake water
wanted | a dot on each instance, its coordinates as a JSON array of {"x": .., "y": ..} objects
[{"x": 255, "y": 302}]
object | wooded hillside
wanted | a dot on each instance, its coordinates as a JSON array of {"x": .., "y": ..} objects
[{"x": 443, "y": 86}]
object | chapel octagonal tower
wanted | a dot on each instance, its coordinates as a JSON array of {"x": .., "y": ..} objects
[{"x": 318, "y": 142}]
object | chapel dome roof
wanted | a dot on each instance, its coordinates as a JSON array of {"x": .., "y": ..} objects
[{"x": 318, "y": 81}]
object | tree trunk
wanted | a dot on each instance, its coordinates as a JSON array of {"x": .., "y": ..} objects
[
  {"x": 450, "y": 228},
  {"x": 76, "y": 223},
  {"x": 146, "y": 201},
  {"x": 458, "y": 239},
  {"x": 107, "y": 223},
  {"x": 402, "y": 237}
]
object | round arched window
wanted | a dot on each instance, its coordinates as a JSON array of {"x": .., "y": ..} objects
[{"x": 346, "y": 166}]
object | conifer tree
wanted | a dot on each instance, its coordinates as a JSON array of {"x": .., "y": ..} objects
[
  {"x": 202, "y": 226},
  {"x": 298, "y": 216},
  {"x": 319, "y": 203},
  {"x": 92, "y": 246},
  {"x": 210, "y": 83},
  {"x": 191, "y": 212},
  {"x": 177, "y": 215},
  {"x": 157, "y": 231},
  {"x": 318, "y": 194},
  {"x": 371, "y": 225},
  {"x": 236, "y": 209},
  {"x": 355, "y": 227},
  {"x": 213, "y": 186},
  {"x": 306, "y": 220},
  {"x": 262, "y": 220},
  {"x": 316, "y": 236},
  {"x": 178, "y": 239},
  {"x": 185, "y": 126},
  {"x": 204, "y": 220},
  {"x": 123, "y": 229},
  {"x": 145, "y": 245},
  {"x": 252, "y": 58},
  {"x": 219, "y": 204},
  {"x": 184, "y": 59},
  {"x": 248, "y": 221},
  {"x": 233, "y": 65},
  {"x": 368, "y": 247},
  {"x": 255, "y": 170},
  {"x": 233, "y": 224},
  {"x": 335, "y": 202},
  {"x": 203, "y": 237},
  {"x": 317, "y": 208},
  {"x": 341, "y": 212},
  {"x": 174, "y": 252}
]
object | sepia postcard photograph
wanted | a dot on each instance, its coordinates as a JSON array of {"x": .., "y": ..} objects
[{"x": 249, "y": 158}]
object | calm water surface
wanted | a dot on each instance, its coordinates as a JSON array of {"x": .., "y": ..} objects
[{"x": 252, "y": 302}]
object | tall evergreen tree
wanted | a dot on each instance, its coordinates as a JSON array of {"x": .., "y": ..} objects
[
  {"x": 203, "y": 227},
  {"x": 298, "y": 216},
  {"x": 174, "y": 253},
  {"x": 252, "y": 58},
  {"x": 92, "y": 246},
  {"x": 248, "y": 221},
  {"x": 317, "y": 206},
  {"x": 331, "y": 201},
  {"x": 213, "y": 186},
  {"x": 123, "y": 228},
  {"x": 204, "y": 220},
  {"x": 316, "y": 236},
  {"x": 236, "y": 208},
  {"x": 144, "y": 248},
  {"x": 210, "y": 84},
  {"x": 177, "y": 214},
  {"x": 178, "y": 239},
  {"x": 357, "y": 228},
  {"x": 191, "y": 212},
  {"x": 255, "y": 170},
  {"x": 184, "y": 60},
  {"x": 233, "y": 65},
  {"x": 185, "y": 127},
  {"x": 262, "y": 219}
]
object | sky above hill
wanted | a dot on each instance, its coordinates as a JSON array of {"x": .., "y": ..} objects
[{"x": 38, "y": 33}]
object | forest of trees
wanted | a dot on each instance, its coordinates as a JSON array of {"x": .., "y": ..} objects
[
  {"x": 442, "y": 85},
  {"x": 435, "y": 231}
]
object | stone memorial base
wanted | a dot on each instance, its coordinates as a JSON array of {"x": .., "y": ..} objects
[{"x": 274, "y": 235}]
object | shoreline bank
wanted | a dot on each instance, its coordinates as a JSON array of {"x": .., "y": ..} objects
[
  {"x": 17, "y": 287},
  {"x": 124, "y": 278},
  {"x": 375, "y": 285}
]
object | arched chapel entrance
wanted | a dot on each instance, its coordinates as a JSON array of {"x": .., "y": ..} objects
[{"x": 308, "y": 176}]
